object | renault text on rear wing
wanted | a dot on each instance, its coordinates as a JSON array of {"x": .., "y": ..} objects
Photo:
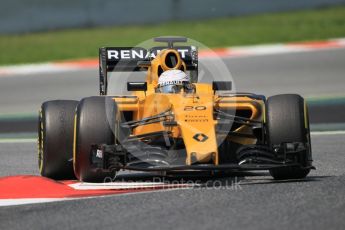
[{"x": 127, "y": 58}]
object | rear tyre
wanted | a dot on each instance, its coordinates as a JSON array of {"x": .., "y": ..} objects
[
  {"x": 95, "y": 124},
  {"x": 55, "y": 139},
  {"x": 287, "y": 121}
]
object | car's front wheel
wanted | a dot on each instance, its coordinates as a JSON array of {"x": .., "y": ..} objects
[
  {"x": 95, "y": 124},
  {"x": 55, "y": 139},
  {"x": 287, "y": 121}
]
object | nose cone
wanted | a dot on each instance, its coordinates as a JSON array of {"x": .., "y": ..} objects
[
  {"x": 200, "y": 142},
  {"x": 195, "y": 119}
]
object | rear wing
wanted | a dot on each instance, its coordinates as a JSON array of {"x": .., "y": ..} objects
[{"x": 124, "y": 59}]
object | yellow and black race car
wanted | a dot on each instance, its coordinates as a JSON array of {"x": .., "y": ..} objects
[{"x": 171, "y": 123}]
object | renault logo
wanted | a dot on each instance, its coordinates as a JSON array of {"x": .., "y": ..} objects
[{"x": 200, "y": 137}]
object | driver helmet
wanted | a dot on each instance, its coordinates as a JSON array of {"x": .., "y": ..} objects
[{"x": 172, "y": 81}]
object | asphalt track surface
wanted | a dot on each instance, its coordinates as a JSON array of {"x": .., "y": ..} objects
[{"x": 257, "y": 202}]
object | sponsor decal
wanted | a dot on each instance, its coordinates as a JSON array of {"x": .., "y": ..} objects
[
  {"x": 196, "y": 118},
  {"x": 138, "y": 53},
  {"x": 197, "y": 108},
  {"x": 174, "y": 82},
  {"x": 135, "y": 53},
  {"x": 200, "y": 137}
]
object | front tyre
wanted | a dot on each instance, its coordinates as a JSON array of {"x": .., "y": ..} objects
[
  {"x": 287, "y": 121},
  {"x": 55, "y": 139},
  {"x": 95, "y": 124}
]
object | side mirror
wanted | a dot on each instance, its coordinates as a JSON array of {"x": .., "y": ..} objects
[
  {"x": 221, "y": 85},
  {"x": 136, "y": 86}
]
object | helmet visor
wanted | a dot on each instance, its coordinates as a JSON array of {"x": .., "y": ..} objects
[{"x": 170, "y": 88}]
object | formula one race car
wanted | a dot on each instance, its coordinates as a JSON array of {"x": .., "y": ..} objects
[{"x": 171, "y": 123}]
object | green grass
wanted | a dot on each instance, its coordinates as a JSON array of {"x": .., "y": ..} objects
[{"x": 267, "y": 28}]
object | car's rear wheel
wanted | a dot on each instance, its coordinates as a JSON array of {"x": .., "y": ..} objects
[
  {"x": 95, "y": 124},
  {"x": 287, "y": 121},
  {"x": 55, "y": 139}
]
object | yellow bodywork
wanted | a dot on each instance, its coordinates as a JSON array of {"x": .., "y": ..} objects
[{"x": 193, "y": 112}]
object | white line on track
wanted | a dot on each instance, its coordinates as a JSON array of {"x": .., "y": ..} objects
[
  {"x": 125, "y": 185},
  {"x": 21, "y": 201},
  {"x": 326, "y": 133},
  {"x": 19, "y": 140}
]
